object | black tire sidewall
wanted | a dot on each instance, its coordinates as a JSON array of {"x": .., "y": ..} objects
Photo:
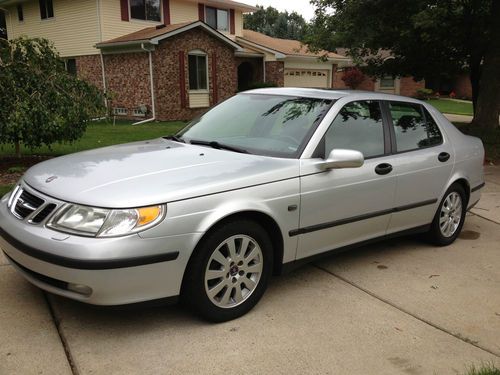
[{"x": 194, "y": 292}]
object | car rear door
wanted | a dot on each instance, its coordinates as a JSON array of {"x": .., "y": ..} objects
[
  {"x": 344, "y": 206},
  {"x": 423, "y": 162}
]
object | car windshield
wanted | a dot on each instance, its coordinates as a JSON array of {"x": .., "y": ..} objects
[{"x": 271, "y": 125}]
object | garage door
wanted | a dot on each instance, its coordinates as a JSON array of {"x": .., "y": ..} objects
[{"x": 306, "y": 78}]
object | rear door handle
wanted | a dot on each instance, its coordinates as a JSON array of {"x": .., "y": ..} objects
[
  {"x": 383, "y": 169},
  {"x": 443, "y": 157}
]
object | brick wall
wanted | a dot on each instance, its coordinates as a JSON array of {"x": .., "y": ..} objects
[
  {"x": 409, "y": 87},
  {"x": 275, "y": 72},
  {"x": 127, "y": 80},
  {"x": 166, "y": 64},
  {"x": 89, "y": 68}
]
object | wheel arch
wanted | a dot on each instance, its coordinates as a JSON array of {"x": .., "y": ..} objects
[{"x": 268, "y": 224}]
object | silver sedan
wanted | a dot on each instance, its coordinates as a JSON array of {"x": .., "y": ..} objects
[{"x": 260, "y": 184}]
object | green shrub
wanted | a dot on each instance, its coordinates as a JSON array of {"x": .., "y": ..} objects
[{"x": 423, "y": 94}]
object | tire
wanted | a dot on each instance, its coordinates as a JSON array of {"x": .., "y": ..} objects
[
  {"x": 223, "y": 282},
  {"x": 446, "y": 226}
]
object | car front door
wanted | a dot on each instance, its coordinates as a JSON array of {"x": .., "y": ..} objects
[
  {"x": 344, "y": 206},
  {"x": 423, "y": 164}
]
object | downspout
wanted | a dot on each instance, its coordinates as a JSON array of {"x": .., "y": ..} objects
[
  {"x": 105, "y": 89},
  {"x": 153, "y": 107}
]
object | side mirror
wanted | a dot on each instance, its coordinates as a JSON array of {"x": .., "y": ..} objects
[{"x": 340, "y": 158}]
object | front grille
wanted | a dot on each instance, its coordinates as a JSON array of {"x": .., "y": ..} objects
[
  {"x": 26, "y": 204},
  {"x": 42, "y": 215},
  {"x": 31, "y": 207}
]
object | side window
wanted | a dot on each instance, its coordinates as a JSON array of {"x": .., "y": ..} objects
[
  {"x": 358, "y": 126},
  {"x": 414, "y": 127}
]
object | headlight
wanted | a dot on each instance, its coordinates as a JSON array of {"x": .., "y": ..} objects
[{"x": 103, "y": 222}]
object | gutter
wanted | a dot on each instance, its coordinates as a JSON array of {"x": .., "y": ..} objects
[{"x": 153, "y": 106}]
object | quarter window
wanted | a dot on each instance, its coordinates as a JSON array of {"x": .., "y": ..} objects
[
  {"x": 358, "y": 126},
  {"x": 146, "y": 10},
  {"x": 414, "y": 127},
  {"x": 46, "y": 9},
  {"x": 198, "y": 72},
  {"x": 217, "y": 18}
]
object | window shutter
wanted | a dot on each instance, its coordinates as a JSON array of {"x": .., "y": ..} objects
[
  {"x": 124, "y": 10},
  {"x": 201, "y": 12},
  {"x": 214, "y": 79},
  {"x": 232, "y": 26},
  {"x": 166, "y": 12},
  {"x": 182, "y": 78}
]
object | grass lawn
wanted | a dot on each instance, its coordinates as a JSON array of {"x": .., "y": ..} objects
[
  {"x": 102, "y": 134},
  {"x": 452, "y": 106}
]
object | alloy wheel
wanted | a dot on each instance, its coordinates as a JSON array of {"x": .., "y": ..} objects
[{"x": 451, "y": 214}]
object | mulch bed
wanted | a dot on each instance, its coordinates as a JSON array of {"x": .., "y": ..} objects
[{"x": 24, "y": 162}]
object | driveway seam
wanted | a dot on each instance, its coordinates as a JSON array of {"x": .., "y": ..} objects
[
  {"x": 62, "y": 337},
  {"x": 423, "y": 320},
  {"x": 485, "y": 218}
]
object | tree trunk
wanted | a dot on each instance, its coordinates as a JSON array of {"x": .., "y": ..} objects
[
  {"x": 487, "y": 109},
  {"x": 475, "y": 76},
  {"x": 18, "y": 149}
]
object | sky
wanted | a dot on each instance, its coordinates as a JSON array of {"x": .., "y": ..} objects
[{"x": 300, "y": 6}]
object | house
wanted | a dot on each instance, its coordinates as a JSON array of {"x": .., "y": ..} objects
[{"x": 168, "y": 59}]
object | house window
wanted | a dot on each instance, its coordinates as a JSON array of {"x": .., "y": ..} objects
[
  {"x": 217, "y": 18},
  {"x": 20, "y": 13},
  {"x": 387, "y": 82},
  {"x": 120, "y": 111},
  {"x": 70, "y": 65},
  {"x": 198, "y": 72},
  {"x": 146, "y": 10},
  {"x": 46, "y": 9}
]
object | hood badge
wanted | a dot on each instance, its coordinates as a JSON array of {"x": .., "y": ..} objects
[{"x": 50, "y": 179}]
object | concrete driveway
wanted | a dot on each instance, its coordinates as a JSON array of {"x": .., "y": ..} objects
[{"x": 397, "y": 307}]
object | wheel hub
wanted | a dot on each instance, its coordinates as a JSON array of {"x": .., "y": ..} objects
[{"x": 234, "y": 270}]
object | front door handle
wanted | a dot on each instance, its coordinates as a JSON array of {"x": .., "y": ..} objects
[
  {"x": 383, "y": 169},
  {"x": 443, "y": 157}
]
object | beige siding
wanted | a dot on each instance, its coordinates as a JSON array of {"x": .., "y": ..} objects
[
  {"x": 183, "y": 11},
  {"x": 112, "y": 24},
  {"x": 199, "y": 99},
  {"x": 74, "y": 28}
]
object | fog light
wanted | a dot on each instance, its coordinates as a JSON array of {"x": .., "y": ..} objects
[{"x": 80, "y": 289}]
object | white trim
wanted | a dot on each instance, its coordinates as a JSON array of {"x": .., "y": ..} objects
[
  {"x": 277, "y": 54},
  {"x": 192, "y": 26}
]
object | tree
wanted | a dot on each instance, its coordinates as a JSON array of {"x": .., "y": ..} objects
[
  {"x": 272, "y": 22},
  {"x": 424, "y": 37},
  {"x": 40, "y": 103},
  {"x": 353, "y": 77}
]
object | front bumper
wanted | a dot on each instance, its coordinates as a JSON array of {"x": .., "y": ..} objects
[{"x": 118, "y": 271}]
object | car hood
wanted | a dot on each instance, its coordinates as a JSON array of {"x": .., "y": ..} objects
[{"x": 151, "y": 172}]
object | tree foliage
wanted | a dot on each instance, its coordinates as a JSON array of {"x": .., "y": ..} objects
[
  {"x": 272, "y": 22},
  {"x": 40, "y": 103},
  {"x": 424, "y": 37}
]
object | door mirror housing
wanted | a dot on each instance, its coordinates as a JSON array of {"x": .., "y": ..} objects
[{"x": 340, "y": 158}]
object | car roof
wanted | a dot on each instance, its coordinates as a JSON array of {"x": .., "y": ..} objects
[{"x": 330, "y": 94}]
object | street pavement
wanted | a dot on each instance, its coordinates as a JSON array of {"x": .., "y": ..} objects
[{"x": 396, "y": 307}]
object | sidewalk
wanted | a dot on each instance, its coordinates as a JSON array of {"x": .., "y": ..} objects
[{"x": 400, "y": 306}]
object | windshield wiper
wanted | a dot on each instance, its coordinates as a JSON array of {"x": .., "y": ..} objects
[
  {"x": 219, "y": 146},
  {"x": 175, "y": 138}
]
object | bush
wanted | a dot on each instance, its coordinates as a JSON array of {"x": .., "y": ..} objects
[
  {"x": 41, "y": 103},
  {"x": 353, "y": 77},
  {"x": 423, "y": 94}
]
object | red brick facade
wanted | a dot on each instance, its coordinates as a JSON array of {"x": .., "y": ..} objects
[
  {"x": 275, "y": 72},
  {"x": 89, "y": 68},
  {"x": 127, "y": 80}
]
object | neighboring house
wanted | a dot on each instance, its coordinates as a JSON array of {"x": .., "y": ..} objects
[
  {"x": 168, "y": 59},
  {"x": 406, "y": 86}
]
